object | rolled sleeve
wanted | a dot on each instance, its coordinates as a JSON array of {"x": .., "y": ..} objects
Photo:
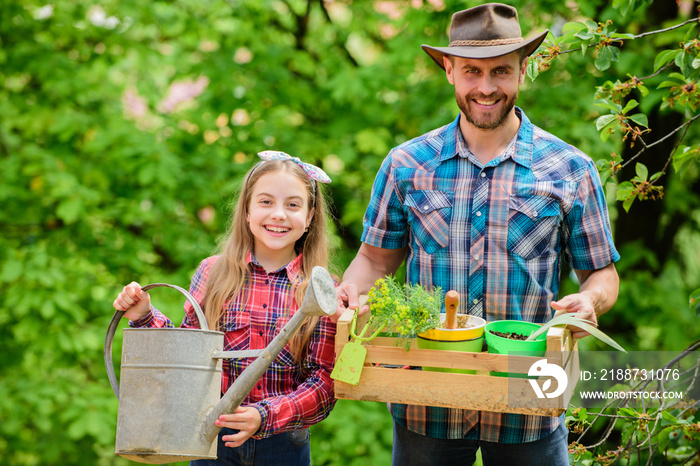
[{"x": 385, "y": 219}]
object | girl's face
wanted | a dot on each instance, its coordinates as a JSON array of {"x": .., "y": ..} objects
[{"x": 278, "y": 214}]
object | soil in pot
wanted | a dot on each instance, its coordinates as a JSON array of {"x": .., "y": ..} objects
[{"x": 511, "y": 335}]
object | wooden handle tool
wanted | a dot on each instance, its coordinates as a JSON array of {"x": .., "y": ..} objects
[{"x": 451, "y": 305}]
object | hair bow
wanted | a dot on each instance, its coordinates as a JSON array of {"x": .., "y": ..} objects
[{"x": 313, "y": 171}]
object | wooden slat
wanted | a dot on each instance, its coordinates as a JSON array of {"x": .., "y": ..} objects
[{"x": 448, "y": 390}]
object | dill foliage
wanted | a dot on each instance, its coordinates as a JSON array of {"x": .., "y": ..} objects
[{"x": 407, "y": 309}]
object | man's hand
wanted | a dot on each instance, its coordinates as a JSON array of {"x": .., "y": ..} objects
[
  {"x": 245, "y": 420},
  {"x": 348, "y": 298},
  {"x": 579, "y": 304},
  {"x": 597, "y": 293}
]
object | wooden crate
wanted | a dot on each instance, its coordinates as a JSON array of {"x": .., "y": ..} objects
[{"x": 479, "y": 391}]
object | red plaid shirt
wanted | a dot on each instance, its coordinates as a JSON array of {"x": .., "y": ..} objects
[{"x": 285, "y": 398}]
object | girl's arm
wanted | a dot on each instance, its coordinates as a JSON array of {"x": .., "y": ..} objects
[
  {"x": 137, "y": 306},
  {"x": 313, "y": 400}
]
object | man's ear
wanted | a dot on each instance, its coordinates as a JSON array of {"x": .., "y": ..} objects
[
  {"x": 523, "y": 70},
  {"x": 449, "y": 70}
]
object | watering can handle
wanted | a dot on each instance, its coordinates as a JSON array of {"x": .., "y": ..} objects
[{"x": 111, "y": 330}]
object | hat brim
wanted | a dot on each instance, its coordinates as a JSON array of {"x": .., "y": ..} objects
[{"x": 530, "y": 45}]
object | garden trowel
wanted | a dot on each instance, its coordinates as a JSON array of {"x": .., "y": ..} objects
[{"x": 348, "y": 367}]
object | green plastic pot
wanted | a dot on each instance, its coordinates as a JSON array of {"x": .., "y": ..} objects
[{"x": 500, "y": 345}]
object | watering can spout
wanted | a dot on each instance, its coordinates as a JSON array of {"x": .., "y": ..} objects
[
  {"x": 161, "y": 367},
  {"x": 319, "y": 300}
]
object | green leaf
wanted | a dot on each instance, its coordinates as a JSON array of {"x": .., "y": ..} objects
[
  {"x": 570, "y": 319},
  {"x": 533, "y": 69},
  {"x": 604, "y": 58},
  {"x": 630, "y": 105},
  {"x": 664, "y": 436},
  {"x": 663, "y": 58},
  {"x": 607, "y": 103},
  {"x": 604, "y": 121},
  {"x": 573, "y": 27},
  {"x": 641, "y": 119},
  {"x": 642, "y": 171},
  {"x": 669, "y": 417}
]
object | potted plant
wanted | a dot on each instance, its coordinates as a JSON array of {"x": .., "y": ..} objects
[
  {"x": 530, "y": 339},
  {"x": 455, "y": 333}
]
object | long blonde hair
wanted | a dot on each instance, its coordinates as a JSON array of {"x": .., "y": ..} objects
[{"x": 229, "y": 273}]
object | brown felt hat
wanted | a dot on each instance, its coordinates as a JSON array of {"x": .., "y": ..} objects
[{"x": 485, "y": 31}]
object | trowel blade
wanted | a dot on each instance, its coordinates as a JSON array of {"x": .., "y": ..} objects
[{"x": 348, "y": 367}]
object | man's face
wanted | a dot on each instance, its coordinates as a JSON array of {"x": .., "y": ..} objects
[{"x": 486, "y": 89}]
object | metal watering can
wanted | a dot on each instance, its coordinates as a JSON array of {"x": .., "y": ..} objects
[{"x": 169, "y": 397}]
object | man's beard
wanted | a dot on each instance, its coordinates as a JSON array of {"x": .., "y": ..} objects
[{"x": 486, "y": 122}]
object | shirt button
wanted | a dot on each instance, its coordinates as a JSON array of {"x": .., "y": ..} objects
[
  {"x": 482, "y": 174},
  {"x": 534, "y": 214},
  {"x": 475, "y": 301},
  {"x": 259, "y": 387},
  {"x": 267, "y": 282},
  {"x": 426, "y": 207},
  {"x": 476, "y": 257},
  {"x": 264, "y": 306},
  {"x": 478, "y": 214},
  {"x": 261, "y": 333}
]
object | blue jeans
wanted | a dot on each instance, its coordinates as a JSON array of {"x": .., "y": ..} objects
[
  {"x": 285, "y": 449},
  {"x": 411, "y": 449}
]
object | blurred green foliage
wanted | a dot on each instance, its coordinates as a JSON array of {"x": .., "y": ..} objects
[{"x": 125, "y": 127}]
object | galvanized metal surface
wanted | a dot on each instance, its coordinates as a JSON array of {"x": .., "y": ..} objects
[{"x": 169, "y": 382}]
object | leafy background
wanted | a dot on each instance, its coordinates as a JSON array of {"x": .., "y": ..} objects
[{"x": 126, "y": 125}]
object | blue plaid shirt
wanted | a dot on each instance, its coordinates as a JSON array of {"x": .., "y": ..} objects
[{"x": 493, "y": 233}]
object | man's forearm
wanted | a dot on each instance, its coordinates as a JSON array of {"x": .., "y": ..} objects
[
  {"x": 371, "y": 264},
  {"x": 601, "y": 285}
]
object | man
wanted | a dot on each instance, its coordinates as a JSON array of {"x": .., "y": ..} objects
[{"x": 487, "y": 206}]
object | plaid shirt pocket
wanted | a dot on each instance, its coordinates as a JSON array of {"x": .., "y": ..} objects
[
  {"x": 429, "y": 214},
  {"x": 533, "y": 225}
]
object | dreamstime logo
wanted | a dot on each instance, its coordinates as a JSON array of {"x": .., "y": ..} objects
[{"x": 542, "y": 368}]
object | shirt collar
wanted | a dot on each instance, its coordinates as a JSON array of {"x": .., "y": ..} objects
[
  {"x": 454, "y": 144},
  {"x": 293, "y": 268}
]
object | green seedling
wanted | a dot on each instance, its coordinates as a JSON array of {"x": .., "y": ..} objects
[{"x": 583, "y": 324}]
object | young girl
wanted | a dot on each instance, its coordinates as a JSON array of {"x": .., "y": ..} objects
[{"x": 249, "y": 291}]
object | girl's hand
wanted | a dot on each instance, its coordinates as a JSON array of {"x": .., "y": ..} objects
[
  {"x": 245, "y": 420},
  {"x": 133, "y": 300}
]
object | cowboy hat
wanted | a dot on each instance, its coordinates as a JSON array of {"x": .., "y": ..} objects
[{"x": 485, "y": 31}]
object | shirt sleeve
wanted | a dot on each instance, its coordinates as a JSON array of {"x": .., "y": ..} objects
[
  {"x": 156, "y": 319},
  {"x": 589, "y": 243},
  {"x": 313, "y": 399},
  {"x": 385, "y": 223}
]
